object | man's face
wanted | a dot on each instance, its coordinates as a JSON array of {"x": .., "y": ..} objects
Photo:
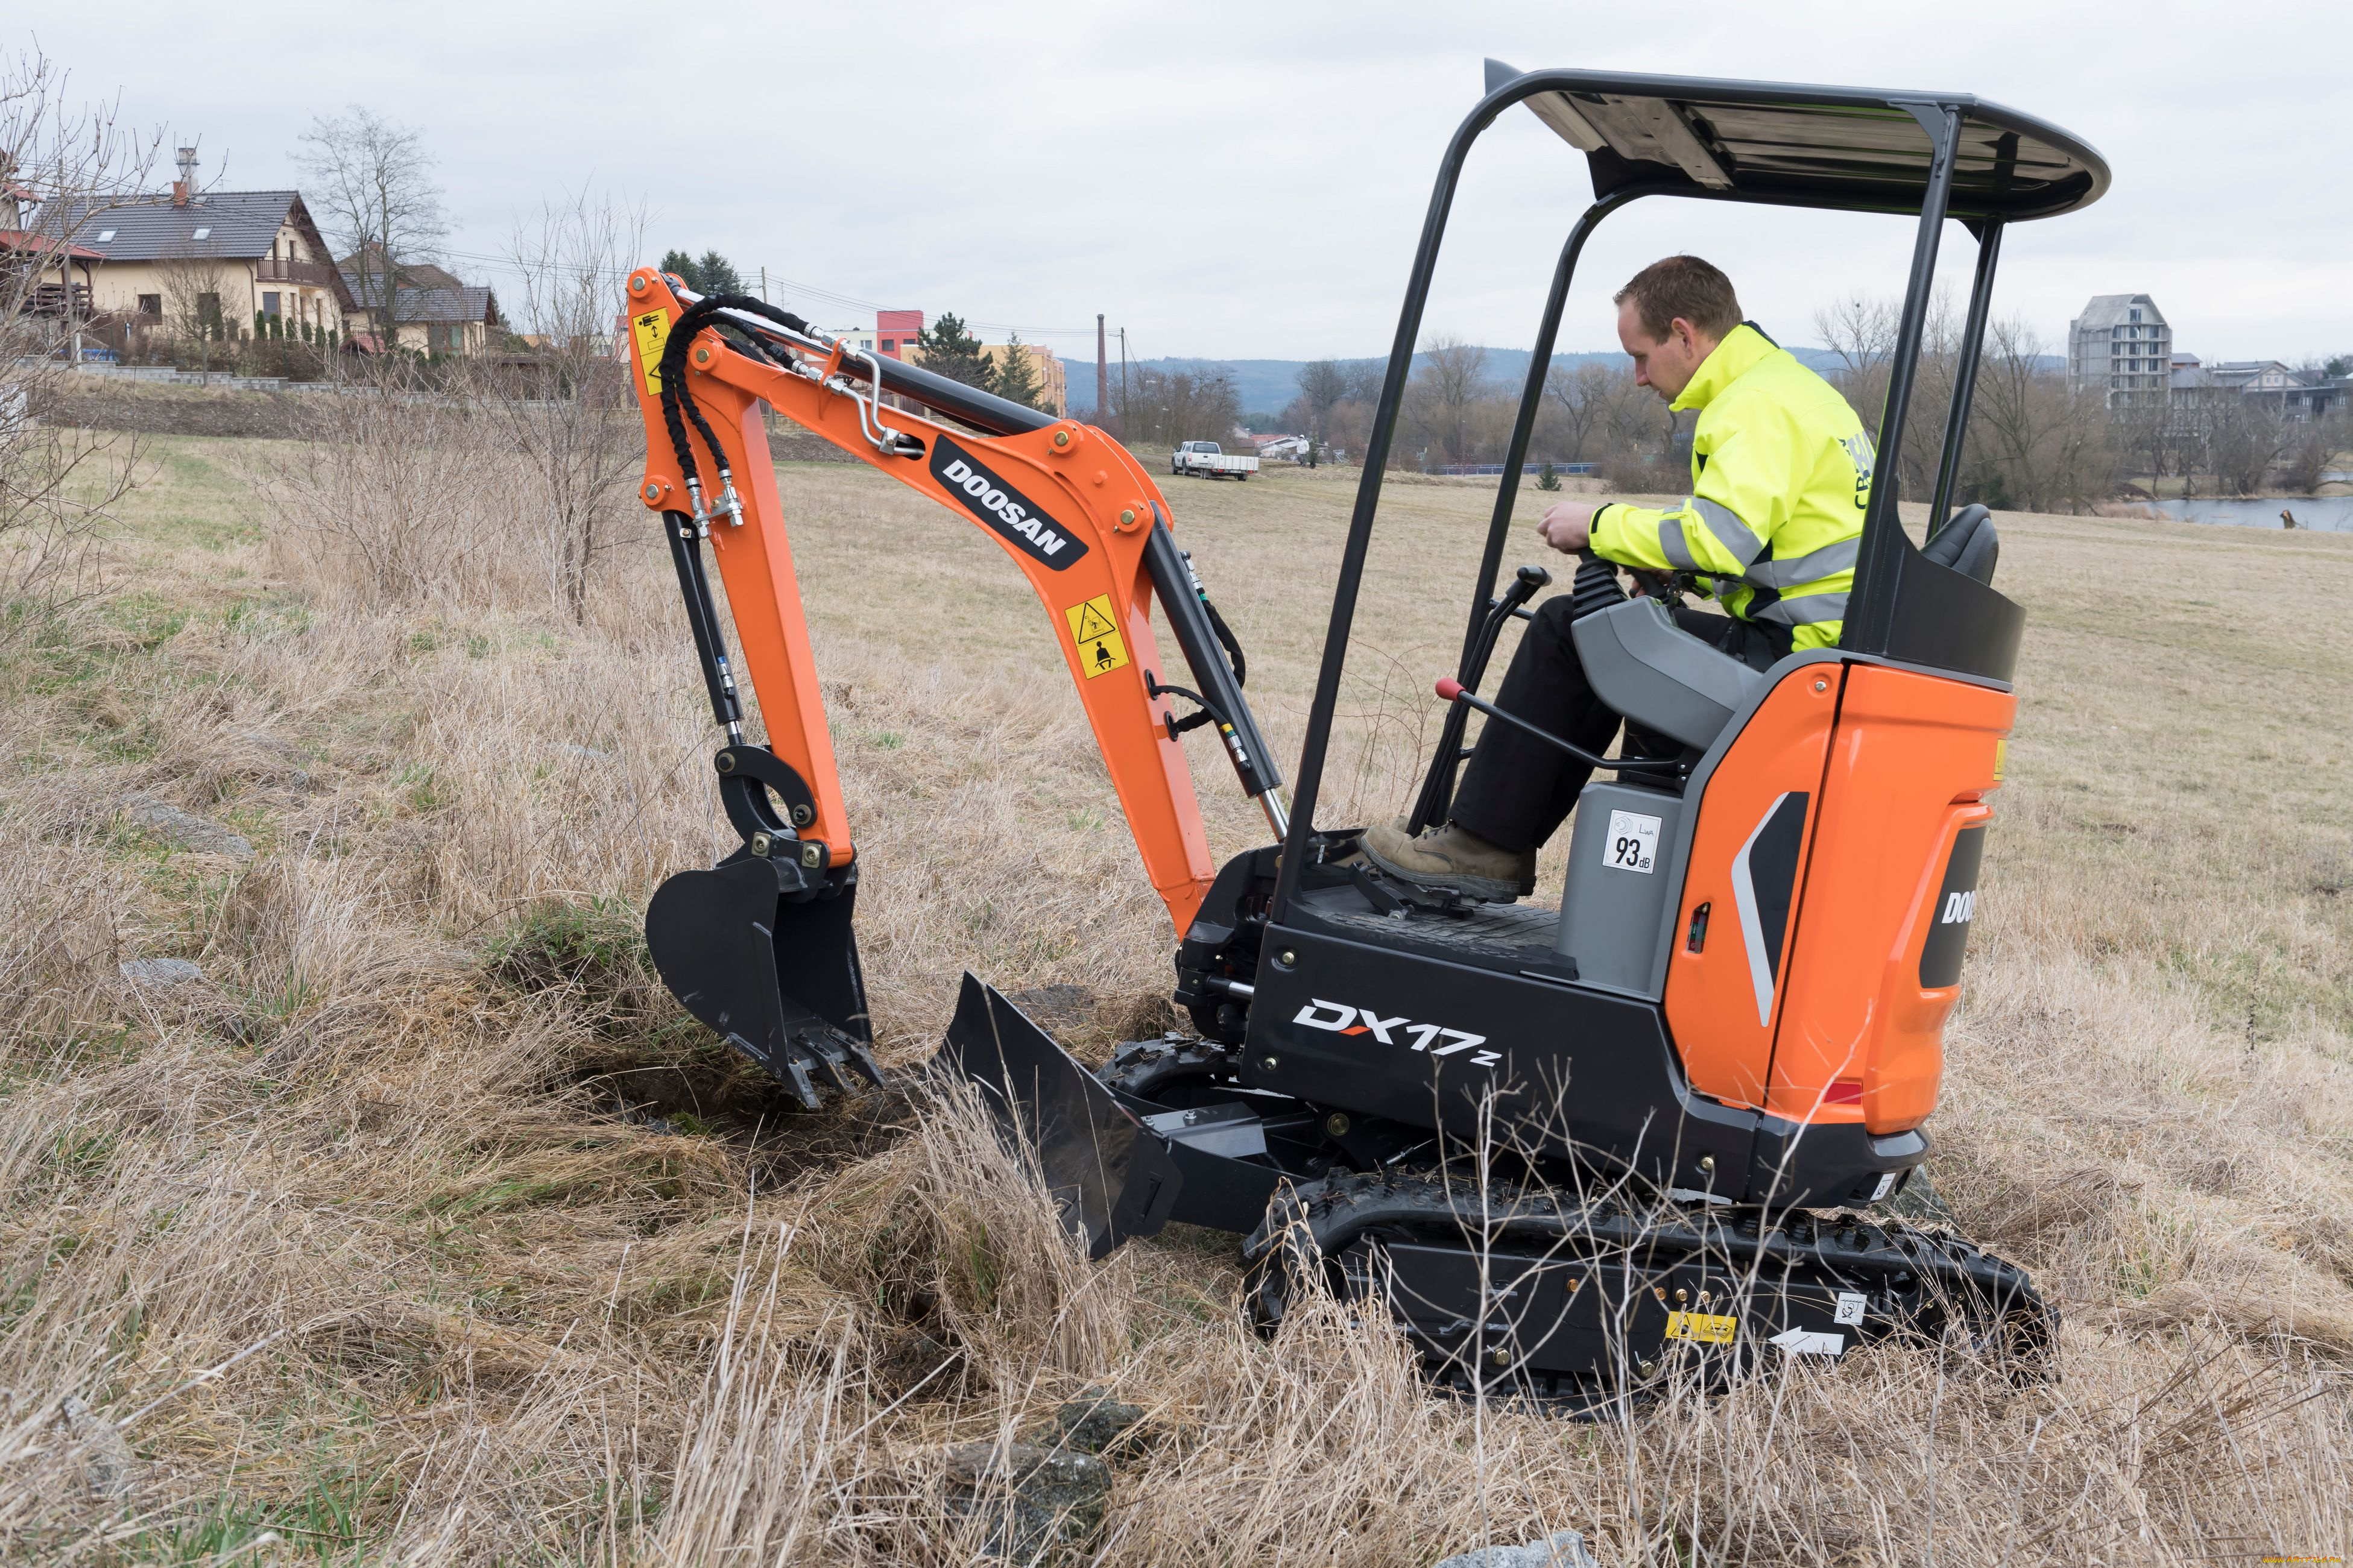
[{"x": 1665, "y": 364}]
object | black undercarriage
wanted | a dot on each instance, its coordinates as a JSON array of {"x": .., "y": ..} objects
[{"x": 1519, "y": 1258}]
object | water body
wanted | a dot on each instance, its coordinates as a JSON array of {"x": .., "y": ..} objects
[{"x": 2323, "y": 514}]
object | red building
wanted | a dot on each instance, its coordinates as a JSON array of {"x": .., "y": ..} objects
[{"x": 895, "y": 331}]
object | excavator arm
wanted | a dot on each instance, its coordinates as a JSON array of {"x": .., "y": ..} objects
[{"x": 1075, "y": 512}]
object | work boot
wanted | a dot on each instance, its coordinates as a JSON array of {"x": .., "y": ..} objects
[{"x": 1452, "y": 857}]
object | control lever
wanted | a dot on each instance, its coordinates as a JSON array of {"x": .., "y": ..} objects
[
  {"x": 1453, "y": 691},
  {"x": 1597, "y": 587}
]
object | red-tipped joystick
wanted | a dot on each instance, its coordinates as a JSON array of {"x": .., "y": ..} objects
[{"x": 1449, "y": 689}]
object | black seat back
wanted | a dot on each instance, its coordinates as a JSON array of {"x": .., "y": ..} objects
[{"x": 1968, "y": 544}]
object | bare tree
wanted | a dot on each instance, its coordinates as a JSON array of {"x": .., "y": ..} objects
[
  {"x": 192, "y": 288},
  {"x": 58, "y": 482},
  {"x": 1450, "y": 379},
  {"x": 1582, "y": 395},
  {"x": 1321, "y": 385},
  {"x": 1861, "y": 331},
  {"x": 2247, "y": 438},
  {"x": 374, "y": 184},
  {"x": 2035, "y": 443},
  {"x": 568, "y": 408},
  {"x": 1166, "y": 407},
  {"x": 2312, "y": 448}
]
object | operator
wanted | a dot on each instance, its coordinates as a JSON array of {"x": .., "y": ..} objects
[{"x": 1780, "y": 475}]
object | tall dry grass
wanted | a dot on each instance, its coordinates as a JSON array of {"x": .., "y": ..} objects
[{"x": 423, "y": 1229}]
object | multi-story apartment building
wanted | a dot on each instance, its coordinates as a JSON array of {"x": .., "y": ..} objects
[{"x": 2121, "y": 345}]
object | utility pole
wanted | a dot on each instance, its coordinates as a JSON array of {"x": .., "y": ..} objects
[
  {"x": 764, "y": 285},
  {"x": 1102, "y": 372},
  {"x": 1123, "y": 383}
]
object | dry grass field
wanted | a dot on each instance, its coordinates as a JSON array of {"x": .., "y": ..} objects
[{"x": 422, "y": 1228}]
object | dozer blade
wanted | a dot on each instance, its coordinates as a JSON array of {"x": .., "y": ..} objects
[
  {"x": 778, "y": 977},
  {"x": 1113, "y": 1177}
]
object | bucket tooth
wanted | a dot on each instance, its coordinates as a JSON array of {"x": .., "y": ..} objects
[
  {"x": 828, "y": 1057},
  {"x": 797, "y": 1076}
]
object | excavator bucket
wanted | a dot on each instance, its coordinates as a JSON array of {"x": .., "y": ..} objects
[
  {"x": 1113, "y": 1178},
  {"x": 772, "y": 969}
]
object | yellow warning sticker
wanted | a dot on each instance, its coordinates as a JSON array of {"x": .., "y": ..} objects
[
  {"x": 2000, "y": 759},
  {"x": 1096, "y": 632},
  {"x": 1703, "y": 1326},
  {"x": 653, "y": 331}
]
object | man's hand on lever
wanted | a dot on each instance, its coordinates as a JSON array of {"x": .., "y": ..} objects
[{"x": 1568, "y": 525}]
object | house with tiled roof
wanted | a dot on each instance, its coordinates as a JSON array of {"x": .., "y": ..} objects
[
  {"x": 432, "y": 311},
  {"x": 227, "y": 259}
]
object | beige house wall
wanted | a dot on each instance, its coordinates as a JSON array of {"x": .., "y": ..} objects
[
  {"x": 417, "y": 336},
  {"x": 116, "y": 286}
]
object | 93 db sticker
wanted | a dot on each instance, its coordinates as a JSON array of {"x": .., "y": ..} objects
[
  {"x": 1634, "y": 843},
  {"x": 1003, "y": 511}
]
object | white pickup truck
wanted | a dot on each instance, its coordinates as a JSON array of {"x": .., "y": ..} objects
[{"x": 1205, "y": 459}]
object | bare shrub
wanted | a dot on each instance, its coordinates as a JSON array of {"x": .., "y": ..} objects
[
  {"x": 396, "y": 497},
  {"x": 58, "y": 485},
  {"x": 569, "y": 409}
]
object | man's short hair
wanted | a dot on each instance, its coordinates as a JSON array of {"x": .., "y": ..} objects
[{"x": 1685, "y": 287}]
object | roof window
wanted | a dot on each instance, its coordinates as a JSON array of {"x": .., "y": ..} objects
[
  {"x": 104, "y": 234},
  {"x": 205, "y": 233}
]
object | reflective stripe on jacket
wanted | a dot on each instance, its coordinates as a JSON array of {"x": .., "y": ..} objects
[{"x": 1780, "y": 475}]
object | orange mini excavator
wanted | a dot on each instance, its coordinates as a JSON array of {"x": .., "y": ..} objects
[{"x": 1569, "y": 1149}]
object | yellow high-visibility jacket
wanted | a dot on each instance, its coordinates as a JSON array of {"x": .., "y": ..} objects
[{"x": 1780, "y": 475}]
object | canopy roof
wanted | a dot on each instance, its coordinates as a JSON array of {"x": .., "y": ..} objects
[{"x": 1805, "y": 146}]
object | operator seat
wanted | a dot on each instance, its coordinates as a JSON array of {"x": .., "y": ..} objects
[
  {"x": 1966, "y": 543},
  {"x": 1643, "y": 666}
]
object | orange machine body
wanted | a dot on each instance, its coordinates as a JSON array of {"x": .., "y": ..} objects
[
  {"x": 1069, "y": 505},
  {"x": 1843, "y": 1019}
]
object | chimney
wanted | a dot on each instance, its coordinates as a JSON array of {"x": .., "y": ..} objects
[{"x": 185, "y": 186}]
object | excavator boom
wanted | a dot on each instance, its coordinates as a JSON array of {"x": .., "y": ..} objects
[{"x": 1075, "y": 512}]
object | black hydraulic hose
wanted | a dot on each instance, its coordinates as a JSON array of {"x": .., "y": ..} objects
[
  {"x": 1233, "y": 645},
  {"x": 676, "y": 399},
  {"x": 1172, "y": 582}
]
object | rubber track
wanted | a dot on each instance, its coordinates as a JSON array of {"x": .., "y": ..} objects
[{"x": 1932, "y": 1281}]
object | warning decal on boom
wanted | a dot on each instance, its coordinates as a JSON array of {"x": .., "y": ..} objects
[
  {"x": 652, "y": 330},
  {"x": 1097, "y": 635}
]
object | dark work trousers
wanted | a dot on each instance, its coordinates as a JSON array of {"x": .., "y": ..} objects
[{"x": 1516, "y": 789}]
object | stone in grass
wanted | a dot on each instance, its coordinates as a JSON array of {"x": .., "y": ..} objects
[
  {"x": 1564, "y": 1550},
  {"x": 186, "y": 831},
  {"x": 161, "y": 972},
  {"x": 1095, "y": 1423},
  {"x": 109, "y": 1467},
  {"x": 1033, "y": 1498}
]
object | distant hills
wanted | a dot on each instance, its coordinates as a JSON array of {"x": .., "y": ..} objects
[{"x": 1268, "y": 384}]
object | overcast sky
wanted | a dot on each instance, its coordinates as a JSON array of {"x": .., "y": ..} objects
[{"x": 1237, "y": 181}]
